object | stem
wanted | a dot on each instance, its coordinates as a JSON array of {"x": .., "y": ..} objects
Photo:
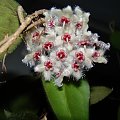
[
  {"x": 35, "y": 24},
  {"x": 118, "y": 57},
  {"x": 20, "y": 11},
  {"x": 3, "y": 64},
  {"x": 4, "y": 40},
  {"x": 9, "y": 40}
]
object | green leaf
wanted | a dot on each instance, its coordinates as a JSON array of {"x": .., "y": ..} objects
[
  {"x": 2, "y": 115},
  {"x": 71, "y": 102},
  {"x": 24, "y": 116},
  {"x": 115, "y": 39},
  {"x": 98, "y": 93},
  {"x": 118, "y": 114},
  {"x": 7, "y": 113},
  {"x": 8, "y": 21},
  {"x": 22, "y": 103}
]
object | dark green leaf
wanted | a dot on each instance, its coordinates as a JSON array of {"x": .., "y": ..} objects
[
  {"x": 24, "y": 116},
  {"x": 115, "y": 39},
  {"x": 22, "y": 103},
  {"x": 71, "y": 102},
  {"x": 98, "y": 93},
  {"x": 118, "y": 113},
  {"x": 7, "y": 113},
  {"x": 8, "y": 21},
  {"x": 2, "y": 115}
]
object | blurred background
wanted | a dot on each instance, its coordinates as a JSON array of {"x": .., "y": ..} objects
[{"x": 104, "y": 20}]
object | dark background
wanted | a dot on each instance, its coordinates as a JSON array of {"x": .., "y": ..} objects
[{"x": 103, "y": 12}]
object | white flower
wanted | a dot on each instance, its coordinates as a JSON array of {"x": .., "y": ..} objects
[
  {"x": 64, "y": 47},
  {"x": 98, "y": 57},
  {"x": 58, "y": 81},
  {"x": 46, "y": 67},
  {"x": 73, "y": 69}
]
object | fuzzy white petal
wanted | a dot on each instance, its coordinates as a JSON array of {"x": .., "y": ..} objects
[
  {"x": 75, "y": 18},
  {"x": 50, "y": 31},
  {"x": 58, "y": 81},
  {"x": 28, "y": 58},
  {"x": 46, "y": 15},
  {"x": 58, "y": 41},
  {"x": 47, "y": 75},
  {"x": 56, "y": 12},
  {"x": 78, "y": 11},
  {"x": 61, "y": 48},
  {"x": 89, "y": 52},
  {"x": 58, "y": 30},
  {"x": 86, "y": 16},
  {"x": 74, "y": 38},
  {"x": 69, "y": 46},
  {"x": 58, "y": 64},
  {"x": 101, "y": 51},
  {"x": 67, "y": 72},
  {"x": 50, "y": 37},
  {"x": 88, "y": 63},
  {"x": 29, "y": 47},
  {"x": 72, "y": 53},
  {"x": 56, "y": 70},
  {"x": 39, "y": 68},
  {"x": 81, "y": 49},
  {"x": 100, "y": 60},
  {"x": 32, "y": 63},
  {"x": 68, "y": 11},
  {"x": 43, "y": 59},
  {"x": 88, "y": 33},
  {"x": 77, "y": 74},
  {"x": 85, "y": 28},
  {"x": 53, "y": 55},
  {"x": 69, "y": 59},
  {"x": 94, "y": 37}
]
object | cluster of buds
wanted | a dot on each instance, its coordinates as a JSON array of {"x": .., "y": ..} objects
[{"x": 64, "y": 47}]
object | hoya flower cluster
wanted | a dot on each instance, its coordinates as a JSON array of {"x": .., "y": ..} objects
[{"x": 64, "y": 46}]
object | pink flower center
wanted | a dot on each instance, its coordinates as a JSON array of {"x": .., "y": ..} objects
[
  {"x": 64, "y": 20},
  {"x": 36, "y": 55},
  {"x": 58, "y": 74},
  {"x": 79, "y": 25},
  {"x": 80, "y": 57},
  {"x": 48, "y": 65},
  {"x": 61, "y": 55},
  {"x": 35, "y": 37},
  {"x": 75, "y": 66},
  {"x": 51, "y": 24},
  {"x": 96, "y": 54},
  {"x": 66, "y": 37},
  {"x": 84, "y": 42},
  {"x": 48, "y": 45},
  {"x": 36, "y": 34}
]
